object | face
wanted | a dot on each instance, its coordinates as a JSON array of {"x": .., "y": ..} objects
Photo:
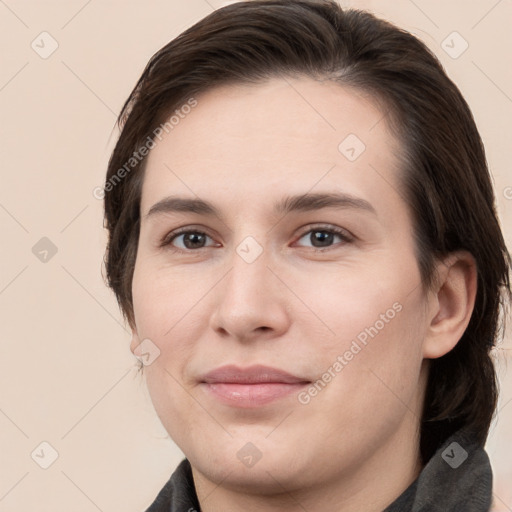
[{"x": 302, "y": 260}]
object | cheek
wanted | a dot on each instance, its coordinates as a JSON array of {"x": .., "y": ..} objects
[
  {"x": 376, "y": 360},
  {"x": 362, "y": 304},
  {"x": 376, "y": 328},
  {"x": 165, "y": 306},
  {"x": 164, "y": 313},
  {"x": 163, "y": 298},
  {"x": 368, "y": 377}
]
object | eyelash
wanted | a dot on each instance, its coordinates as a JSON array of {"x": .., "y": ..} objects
[{"x": 345, "y": 236}]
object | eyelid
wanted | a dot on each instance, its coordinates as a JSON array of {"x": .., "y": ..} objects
[
  {"x": 327, "y": 227},
  {"x": 167, "y": 239}
]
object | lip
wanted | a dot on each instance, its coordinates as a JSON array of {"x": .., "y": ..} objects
[
  {"x": 256, "y": 374},
  {"x": 253, "y": 386}
]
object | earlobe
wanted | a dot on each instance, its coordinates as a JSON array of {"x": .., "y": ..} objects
[{"x": 451, "y": 304}]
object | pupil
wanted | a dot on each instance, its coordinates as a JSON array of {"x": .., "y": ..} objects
[{"x": 322, "y": 237}]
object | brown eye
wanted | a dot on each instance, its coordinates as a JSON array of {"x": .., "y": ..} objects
[
  {"x": 187, "y": 240},
  {"x": 326, "y": 237}
]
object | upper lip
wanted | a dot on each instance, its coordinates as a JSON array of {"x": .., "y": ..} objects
[{"x": 250, "y": 375}]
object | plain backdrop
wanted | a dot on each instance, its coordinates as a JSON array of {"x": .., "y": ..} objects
[{"x": 67, "y": 377}]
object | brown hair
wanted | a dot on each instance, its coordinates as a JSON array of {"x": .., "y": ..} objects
[{"x": 446, "y": 181}]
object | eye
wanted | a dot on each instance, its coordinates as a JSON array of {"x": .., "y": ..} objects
[
  {"x": 321, "y": 237},
  {"x": 186, "y": 240}
]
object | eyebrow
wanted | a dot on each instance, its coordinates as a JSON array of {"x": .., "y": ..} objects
[{"x": 296, "y": 203}]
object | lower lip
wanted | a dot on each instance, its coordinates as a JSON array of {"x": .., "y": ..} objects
[{"x": 252, "y": 395}]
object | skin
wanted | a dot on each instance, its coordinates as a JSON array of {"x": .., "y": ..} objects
[{"x": 355, "y": 445}]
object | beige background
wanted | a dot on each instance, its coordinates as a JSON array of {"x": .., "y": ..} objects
[{"x": 67, "y": 377}]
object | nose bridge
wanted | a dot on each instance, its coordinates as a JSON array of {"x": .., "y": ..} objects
[
  {"x": 249, "y": 298},
  {"x": 249, "y": 275}
]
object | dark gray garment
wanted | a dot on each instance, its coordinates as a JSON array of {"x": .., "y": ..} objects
[{"x": 458, "y": 478}]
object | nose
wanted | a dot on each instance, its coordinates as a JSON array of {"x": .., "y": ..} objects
[{"x": 250, "y": 301}]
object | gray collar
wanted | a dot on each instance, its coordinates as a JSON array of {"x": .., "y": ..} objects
[{"x": 457, "y": 478}]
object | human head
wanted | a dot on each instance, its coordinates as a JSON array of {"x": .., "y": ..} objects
[{"x": 445, "y": 179}]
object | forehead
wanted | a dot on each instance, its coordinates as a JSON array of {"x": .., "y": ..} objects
[{"x": 250, "y": 140}]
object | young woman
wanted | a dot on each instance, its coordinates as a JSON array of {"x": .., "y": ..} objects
[{"x": 303, "y": 239}]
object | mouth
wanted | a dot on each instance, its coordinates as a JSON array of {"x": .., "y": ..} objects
[{"x": 250, "y": 387}]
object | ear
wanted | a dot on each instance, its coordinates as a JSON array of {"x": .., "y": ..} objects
[
  {"x": 450, "y": 304},
  {"x": 135, "y": 347}
]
